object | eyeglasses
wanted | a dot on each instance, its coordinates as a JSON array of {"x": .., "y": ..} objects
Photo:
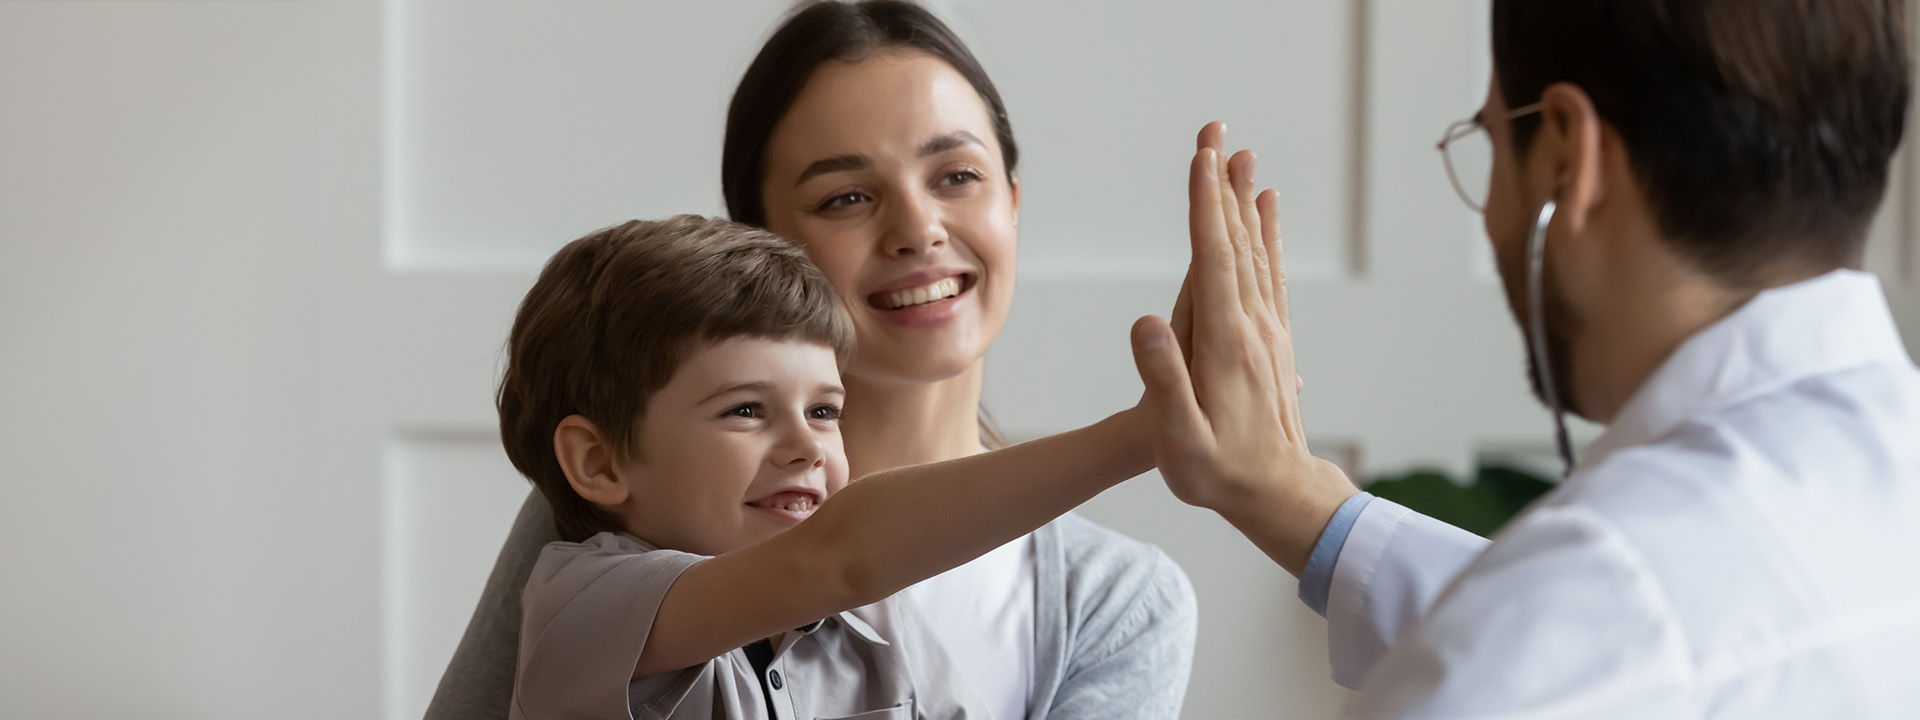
[{"x": 1467, "y": 150}]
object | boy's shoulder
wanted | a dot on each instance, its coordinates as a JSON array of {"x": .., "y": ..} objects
[
  {"x": 601, "y": 545},
  {"x": 608, "y": 562}
]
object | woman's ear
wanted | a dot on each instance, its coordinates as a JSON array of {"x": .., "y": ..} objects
[
  {"x": 1572, "y": 129},
  {"x": 1014, "y": 182},
  {"x": 589, "y": 458}
]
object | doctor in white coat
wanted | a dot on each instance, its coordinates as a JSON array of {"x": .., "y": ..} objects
[{"x": 1677, "y": 192}]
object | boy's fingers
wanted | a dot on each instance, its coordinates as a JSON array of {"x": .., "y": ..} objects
[
  {"x": 1242, "y": 234},
  {"x": 1212, "y": 135},
  {"x": 1182, "y": 319},
  {"x": 1246, "y": 198},
  {"x": 1169, "y": 388}
]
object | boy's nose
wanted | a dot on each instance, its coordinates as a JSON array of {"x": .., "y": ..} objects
[{"x": 801, "y": 448}]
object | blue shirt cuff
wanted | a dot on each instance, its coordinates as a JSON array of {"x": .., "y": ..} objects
[{"x": 1317, "y": 580}]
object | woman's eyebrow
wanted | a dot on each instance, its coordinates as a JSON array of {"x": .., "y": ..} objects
[
  {"x": 949, "y": 141},
  {"x": 845, "y": 163}
]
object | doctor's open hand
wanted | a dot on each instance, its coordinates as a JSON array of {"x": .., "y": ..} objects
[{"x": 1227, "y": 433}]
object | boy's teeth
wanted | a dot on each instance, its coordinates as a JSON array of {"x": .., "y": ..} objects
[
  {"x": 937, "y": 290},
  {"x": 801, "y": 503}
]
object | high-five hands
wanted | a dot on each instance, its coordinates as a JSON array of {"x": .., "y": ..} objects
[{"x": 1227, "y": 433}]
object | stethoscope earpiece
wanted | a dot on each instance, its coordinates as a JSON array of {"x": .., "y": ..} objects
[{"x": 1537, "y": 330}]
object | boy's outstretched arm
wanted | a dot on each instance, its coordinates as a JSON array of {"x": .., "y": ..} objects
[{"x": 885, "y": 532}]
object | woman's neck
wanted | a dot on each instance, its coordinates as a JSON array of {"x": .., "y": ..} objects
[{"x": 892, "y": 424}]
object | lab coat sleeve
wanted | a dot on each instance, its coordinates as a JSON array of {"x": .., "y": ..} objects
[
  {"x": 1559, "y": 619},
  {"x": 1394, "y": 563}
]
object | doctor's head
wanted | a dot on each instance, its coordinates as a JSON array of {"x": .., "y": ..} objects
[{"x": 1697, "y": 152}]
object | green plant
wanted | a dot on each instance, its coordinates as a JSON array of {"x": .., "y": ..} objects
[{"x": 1496, "y": 494}]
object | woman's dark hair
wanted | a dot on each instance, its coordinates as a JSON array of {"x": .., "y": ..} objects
[
  {"x": 1760, "y": 129},
  {"x": 817, "y": 33}
]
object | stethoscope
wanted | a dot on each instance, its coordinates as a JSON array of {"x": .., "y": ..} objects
[{"x": 1537, "y": 332}]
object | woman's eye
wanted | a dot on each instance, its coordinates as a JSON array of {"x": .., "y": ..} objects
[
  {"x": 961, "y": 177},
  {"x": 823, "y": 412},
  {"x": 842, "y": 200},
  {"x": 749, "y": 411}
]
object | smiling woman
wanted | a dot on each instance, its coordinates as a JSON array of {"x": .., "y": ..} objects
[
  {"x": 868, "y": 133},
  {"x": 871, "y": 135}
]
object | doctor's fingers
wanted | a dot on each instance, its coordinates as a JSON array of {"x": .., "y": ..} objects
[
  {"x": 1211, "y": 276},
  {"x": 1237, "y": 233},
  {"x": 1228, "y": 347}
]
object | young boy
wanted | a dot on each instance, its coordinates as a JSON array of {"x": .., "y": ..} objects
[{"x": 672, "y": 389}]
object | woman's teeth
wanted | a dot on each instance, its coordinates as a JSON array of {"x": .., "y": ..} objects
[{"x": 938, "y": 290}]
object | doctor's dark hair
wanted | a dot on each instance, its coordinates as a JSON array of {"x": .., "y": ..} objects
[
  {"x": 1760, "y": 129},
  {"x": 615, "y": 313},
  {"x": 833, "y": 31}
]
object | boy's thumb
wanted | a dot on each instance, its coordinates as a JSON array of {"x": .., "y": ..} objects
[{"x": 1163, "y": 369}]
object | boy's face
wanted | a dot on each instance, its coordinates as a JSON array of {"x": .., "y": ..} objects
[{"x": 742, "y": 443}]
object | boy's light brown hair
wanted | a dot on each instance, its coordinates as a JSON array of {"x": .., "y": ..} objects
[{"x": 615, "y": 313}]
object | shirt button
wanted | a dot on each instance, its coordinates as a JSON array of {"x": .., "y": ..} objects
[{"x": 773, "y": 678}]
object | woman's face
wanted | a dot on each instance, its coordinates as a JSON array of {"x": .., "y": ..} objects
[{"x": 888, "y": 171}]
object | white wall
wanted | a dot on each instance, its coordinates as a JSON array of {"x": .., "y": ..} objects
[{"x": 257, "y": 260}]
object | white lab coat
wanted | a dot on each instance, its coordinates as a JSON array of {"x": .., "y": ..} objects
[{"x": 1743, "y": 542}]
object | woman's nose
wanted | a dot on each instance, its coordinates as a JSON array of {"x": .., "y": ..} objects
[{"x": 915, "y": 226}]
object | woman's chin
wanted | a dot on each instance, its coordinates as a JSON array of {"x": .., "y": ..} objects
[{"x": 922, "y": 364}]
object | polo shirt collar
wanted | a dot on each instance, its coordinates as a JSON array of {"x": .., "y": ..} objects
[
  {"x": 1826, "y": 324},
  {"x": 860, "y": 628}
]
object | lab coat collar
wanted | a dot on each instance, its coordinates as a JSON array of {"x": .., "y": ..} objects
[{"x": 1826, "y": 324}]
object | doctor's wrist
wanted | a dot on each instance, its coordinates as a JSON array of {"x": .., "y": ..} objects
[{"x": 1286, "y": 517}]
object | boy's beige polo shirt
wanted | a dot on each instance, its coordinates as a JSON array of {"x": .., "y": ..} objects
[{"x": 589, "y": 606}]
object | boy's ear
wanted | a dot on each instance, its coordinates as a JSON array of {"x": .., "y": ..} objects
[{"x": 588, "y": 458}]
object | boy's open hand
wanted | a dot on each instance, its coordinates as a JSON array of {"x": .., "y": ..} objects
[{"x": 1228, "y": 434}]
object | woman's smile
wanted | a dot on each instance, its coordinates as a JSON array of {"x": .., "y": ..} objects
[{"x": 923, "y": 299}]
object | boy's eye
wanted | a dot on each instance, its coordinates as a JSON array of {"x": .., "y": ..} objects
[
  {"x": 749, "y": 411},
  {"x": 823, "y": 412}
]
